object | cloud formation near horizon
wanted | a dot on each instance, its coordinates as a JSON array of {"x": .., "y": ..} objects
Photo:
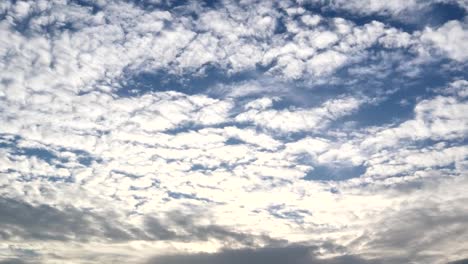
[{"x": 176, "y": 132}]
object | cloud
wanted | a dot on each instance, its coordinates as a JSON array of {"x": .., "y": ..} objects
[
  {"x": 13, "y": 261},
  {"x": 419, "y": 232},
  {"x": 439, "y": 118},
  {"x": 462, "y": 261},
  {"x": 326, "y": 62},
  {"x": 410, "y": 12},
  {"x": 291, "y": 254},
  {"x": 374, "y": 6},
  {"x": 23, "y": 221},
  {"x": 458, "y": 88},
  {"x": 189, "y": 230},
  {"x": 449, "y": 38},
  {"x": 300, "y": 119},
  {"x": 193, "y": 131},
  {"x": 20, "y": 220}
]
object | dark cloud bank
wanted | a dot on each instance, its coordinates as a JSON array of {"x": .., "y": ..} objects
[
  {"x": 270, "y": 255},
  {"x": 21, "y": 220}
]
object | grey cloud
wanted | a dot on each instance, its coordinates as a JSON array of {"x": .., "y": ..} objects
[
  {"x": 157, "y": 230},
  {"x": 49, "y": 71},
  {"x": 419, "y": 232},
  {"x": 13, "y": 261},
  {"x": 461, "y": 261},
  {"x": 44, "y": 222},
  {"x": 184, "y": 227},
  {"x": 271, "y": 255}
]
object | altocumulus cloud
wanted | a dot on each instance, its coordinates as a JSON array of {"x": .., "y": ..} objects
[{"x": 230, "y": 132}]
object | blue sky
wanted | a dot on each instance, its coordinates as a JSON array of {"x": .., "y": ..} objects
[{"x": 175, "y": 132}]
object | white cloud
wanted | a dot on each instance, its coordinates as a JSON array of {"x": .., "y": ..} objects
[
  {"x": 326, "y": 62},
  {"x": 375, "y": 6},
  {"x": 260, "y": 104},
  {"x": 311, "y": 20},
  {"x": 458, "y": 88},
  {"x": 296, "y": 120},
  {"x": 69, "y": 139},
  {"x": 439, "y": 118},
  {"x": 321, "y": 40},
  {"x": 449, "y": 38}
]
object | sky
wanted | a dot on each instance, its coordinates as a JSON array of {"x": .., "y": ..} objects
[{"x": 229, "y": 132}]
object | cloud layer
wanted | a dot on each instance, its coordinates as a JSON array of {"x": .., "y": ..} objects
[{"x": 233, "y": 132}]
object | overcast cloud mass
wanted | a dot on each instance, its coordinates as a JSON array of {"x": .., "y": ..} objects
[{"x": 229, "y": 132}]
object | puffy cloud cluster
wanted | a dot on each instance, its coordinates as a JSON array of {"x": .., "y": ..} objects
[
  {"x": 449, "y": 38},
  {"x": 296, "y": 120}
]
